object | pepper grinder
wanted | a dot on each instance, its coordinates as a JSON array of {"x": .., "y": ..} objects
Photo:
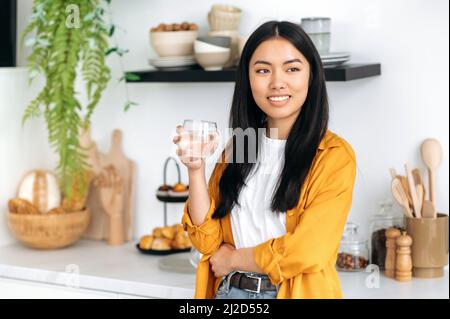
[
  {"x": 403, "y": 263},
  {"x": 389, "y": 264}
]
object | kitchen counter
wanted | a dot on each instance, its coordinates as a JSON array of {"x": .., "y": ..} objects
[{"x": 125, "y": 271}]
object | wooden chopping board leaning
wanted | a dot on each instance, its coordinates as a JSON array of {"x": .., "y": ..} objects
[{"x": 111, "y": 194}]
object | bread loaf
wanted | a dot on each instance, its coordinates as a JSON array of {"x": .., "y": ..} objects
[{"x": 40, "y": 188}]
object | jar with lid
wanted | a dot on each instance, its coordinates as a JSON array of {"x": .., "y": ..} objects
[
  {"x": 353, "y": 251},
  {"x": 385, "y": 218}
]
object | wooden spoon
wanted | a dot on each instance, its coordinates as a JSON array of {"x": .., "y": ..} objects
[
  {"x": 400, "y": 196},
  {"x": 418, "y": 180},
  {"x": 428, "y": 210},
  {"x": 432, "y": 156}
]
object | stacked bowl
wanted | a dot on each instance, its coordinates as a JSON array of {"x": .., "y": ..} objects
[
  {"x": 223, "y": 21},
  {"x": 224, "y": 17},
  {"x": 212, "y": 52}
]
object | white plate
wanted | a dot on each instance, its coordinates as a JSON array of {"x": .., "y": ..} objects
[
  {"x": 335, "y": 55},
  {"x": 170, "y": 64},
  {"x": 175, "y": 58},
  {"x": 333, "y": 64},
  {"x": 334, "y": 61}
]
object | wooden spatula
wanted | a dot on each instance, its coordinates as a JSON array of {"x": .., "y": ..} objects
[
  {"x": 428, "y": 209},
  {"x": 417, "y": 176},
  {"x": 400, "y": 196},
  {"x": 412, "y": 190},
  {"x": 404, "y": 182},
  {"x": 420, "y": 195},
  {"x": 432, "y": 156}
]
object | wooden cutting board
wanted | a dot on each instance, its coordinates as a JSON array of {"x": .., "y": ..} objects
[{"x": 98, "y": 227}]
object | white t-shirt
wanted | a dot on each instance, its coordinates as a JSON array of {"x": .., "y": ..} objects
[{"x": 254, "y": 222}]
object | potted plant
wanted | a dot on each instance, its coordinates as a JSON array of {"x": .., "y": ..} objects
[{"x": 71, "y": 39}]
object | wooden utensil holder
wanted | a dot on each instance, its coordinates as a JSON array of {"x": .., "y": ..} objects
[{"x": 430, "y": 245}]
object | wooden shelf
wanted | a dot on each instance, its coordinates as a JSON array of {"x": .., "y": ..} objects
[{"x": 346, "y": 72}]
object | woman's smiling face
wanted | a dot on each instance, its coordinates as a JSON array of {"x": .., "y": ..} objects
[{"x": 279, "y": 77}]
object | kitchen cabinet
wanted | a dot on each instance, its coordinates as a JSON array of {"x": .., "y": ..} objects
[
  {"x": 18, "y": 289},
  {"x": 100, "y": 270},
  {"x": 111, "y": 272},
  {"x": 22, "y": 289}
]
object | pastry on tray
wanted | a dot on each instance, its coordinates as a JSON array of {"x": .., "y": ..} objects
[
  {"x": 179, "y": 190},
  {"x": 161, "y": 244},
  {"x": 163, "y": 190},
  {"x": 146, "y": 242},
  {"x": 166, "y": 238}
]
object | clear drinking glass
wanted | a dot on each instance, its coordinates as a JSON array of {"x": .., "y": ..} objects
[{"x": 201, "y": 138}]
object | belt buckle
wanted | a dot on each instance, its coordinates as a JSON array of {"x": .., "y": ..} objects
[{"x": 258, "y": 290}]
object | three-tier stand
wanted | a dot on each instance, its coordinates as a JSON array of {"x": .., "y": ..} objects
[{"x": 170, "y": 199}]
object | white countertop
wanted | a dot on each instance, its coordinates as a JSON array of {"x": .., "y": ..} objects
[{"x": 125, "y": 270}]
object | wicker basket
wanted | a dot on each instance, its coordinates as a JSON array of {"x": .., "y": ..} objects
[{"x": 48, "y": 231}]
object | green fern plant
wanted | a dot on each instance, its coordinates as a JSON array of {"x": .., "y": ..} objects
[{"x": 71, "y": 37}]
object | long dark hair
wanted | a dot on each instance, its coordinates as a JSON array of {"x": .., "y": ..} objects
[{"x": 304, "y": 137}]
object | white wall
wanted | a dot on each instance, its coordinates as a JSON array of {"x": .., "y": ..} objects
[{"x": 384, "y": 118}]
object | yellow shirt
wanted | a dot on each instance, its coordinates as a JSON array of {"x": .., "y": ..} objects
[{"x": 301, "y": 262}]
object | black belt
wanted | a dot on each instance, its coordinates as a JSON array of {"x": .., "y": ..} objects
[{"x": 251, "y": 282}]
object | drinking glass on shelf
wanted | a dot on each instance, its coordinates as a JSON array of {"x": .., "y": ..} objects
[{"x": 202, "y": 138}]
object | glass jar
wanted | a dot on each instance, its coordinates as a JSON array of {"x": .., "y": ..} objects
[
  {"x": 385, "y": 218},
  {"x": 353, "y": 251},
  {"x": 194, "y": 257}
]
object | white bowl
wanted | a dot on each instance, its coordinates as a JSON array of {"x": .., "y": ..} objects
[
  {"x": 173, "y": 43},
  {"x": 212, "y": 61},
  {"x": 203, "y": 47},
  {"x": 234, "y": 36}
]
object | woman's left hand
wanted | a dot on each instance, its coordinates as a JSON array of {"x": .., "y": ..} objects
[{"x": 221, "y": 261}]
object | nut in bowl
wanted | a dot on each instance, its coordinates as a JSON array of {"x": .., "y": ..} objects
[{"x": 170, "y": 40}]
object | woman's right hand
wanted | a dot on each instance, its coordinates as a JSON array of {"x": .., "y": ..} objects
[{"x": 182, "y": 142}]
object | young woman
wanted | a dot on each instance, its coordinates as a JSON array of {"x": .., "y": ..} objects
[{"x": 271, "y": 229}]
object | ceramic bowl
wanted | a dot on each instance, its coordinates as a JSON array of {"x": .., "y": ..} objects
[{"x": 173, "y": 43}]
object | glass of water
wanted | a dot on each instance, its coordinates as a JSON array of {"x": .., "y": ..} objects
[{"x": 201, "y": 136}]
